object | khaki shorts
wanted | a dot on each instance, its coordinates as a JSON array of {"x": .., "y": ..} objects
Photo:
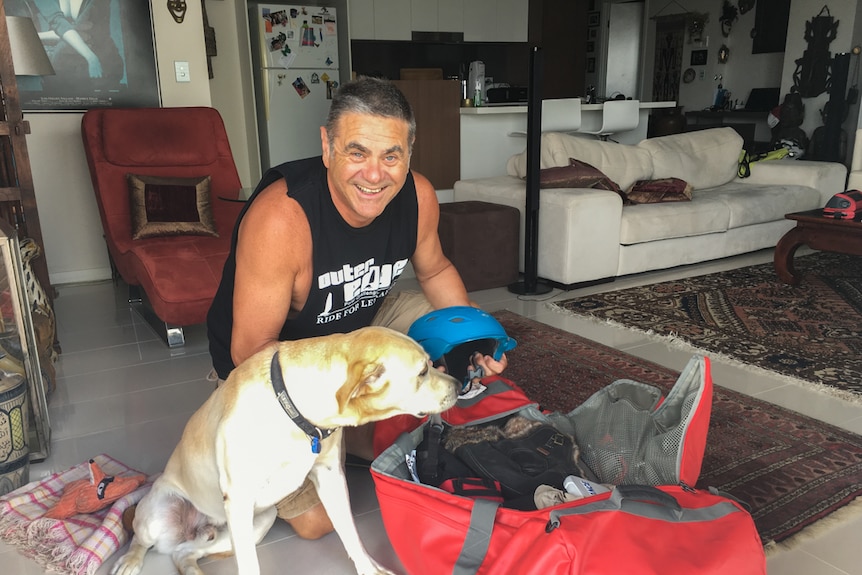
[
  {"x": 398, "y": 311},
  {"x": 299, "y": 501}
]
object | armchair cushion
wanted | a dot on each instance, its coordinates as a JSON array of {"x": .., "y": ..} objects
[{"x": 170, "y": 206}]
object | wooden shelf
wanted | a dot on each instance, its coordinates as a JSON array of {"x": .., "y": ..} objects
[{"x": 17, "y": 198}]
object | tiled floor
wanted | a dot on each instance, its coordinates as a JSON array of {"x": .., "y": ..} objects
[{"x": 123, "y": 392}]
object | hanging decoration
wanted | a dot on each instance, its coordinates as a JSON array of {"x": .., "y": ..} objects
[
  {"x": 812, "y": 76},
  {"x": 788, "y": 132},
  {"x": 696, "y": 26},
  {"x": 178, "y": 9},
  {"x": 745, "y": 6},
  {"x": 728, "y": 16},
  {"x": 723, "y": 54}
]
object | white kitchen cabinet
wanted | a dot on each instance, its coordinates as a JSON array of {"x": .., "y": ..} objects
[
  {"x": 423, "y": 15},
  {"x": 392, "y": 20},
  {"x": 480, "y": 20},
  {"x": 450, "y": 15},
  {"x": 495, "y": 20},
  {"x": 361, "y": 22},
  {"x": 437, "y": 15},
  {"x": 512, "y": 16}
]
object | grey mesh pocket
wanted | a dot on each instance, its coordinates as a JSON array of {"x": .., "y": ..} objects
[{"x": 627, "y": 435}]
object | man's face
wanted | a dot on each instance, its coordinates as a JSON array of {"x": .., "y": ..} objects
[{"x": 368, "y": 163}]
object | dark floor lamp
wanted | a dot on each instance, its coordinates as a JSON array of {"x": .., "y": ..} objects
[{"x": 531, "y": 285}]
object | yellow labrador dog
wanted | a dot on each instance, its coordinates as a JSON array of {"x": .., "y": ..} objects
[{"x": 277, "y": 419}]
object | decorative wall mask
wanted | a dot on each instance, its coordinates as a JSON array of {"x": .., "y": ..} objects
[
  {"x": 745, "y": 6},
  {"x": 177, "y": 8},
  {"x": 728, "y": 16},
  {"x": 812, "y": 75},
  {"x": 723, "y": 54},
  {"x": 696, "y": 25}
]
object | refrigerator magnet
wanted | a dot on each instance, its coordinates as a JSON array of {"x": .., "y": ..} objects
[
  {"x": 331, "y": 87},
  {"x": 301, "y": 87},
  {"x": 277, "y": 42},
  {"x": 286, "y": 59},
  {"x": 315, "y": 79}
]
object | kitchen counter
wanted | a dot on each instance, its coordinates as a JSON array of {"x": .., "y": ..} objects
[
  {"x": 486, "y": 143},
  {"x": 519, "y": 108}
]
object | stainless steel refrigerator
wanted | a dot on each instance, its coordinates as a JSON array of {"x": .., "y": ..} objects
[{"x": 295, "y": 53}]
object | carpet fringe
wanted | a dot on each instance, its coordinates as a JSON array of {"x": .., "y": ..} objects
[
  {"x": 682, "y": 345},
  {"x": 818, "y": 529}
]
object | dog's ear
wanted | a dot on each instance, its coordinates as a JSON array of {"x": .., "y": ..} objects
[{"x": 361, "y": 375}]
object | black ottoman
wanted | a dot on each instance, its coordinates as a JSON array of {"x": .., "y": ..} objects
[{"x": 481, "y": 240}]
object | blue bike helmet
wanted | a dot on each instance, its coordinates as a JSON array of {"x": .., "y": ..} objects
[{"x": 452, "y": 335}]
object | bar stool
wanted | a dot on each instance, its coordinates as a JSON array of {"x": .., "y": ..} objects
[
  {"x": 617, "y": 116},
  {"x": 558, "y": 115}
]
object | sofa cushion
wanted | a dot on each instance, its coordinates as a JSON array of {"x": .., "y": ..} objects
[
  {"x": 621, "y": 163},
  {"x": 170, "y": 206},
  {"x": 649, "y": 222},
  {"x": 658, "y": 191},
  {"x": 748, "y": 205},
  {"x": 705, "y": 158},
  {"x": 576, "y": 175}
]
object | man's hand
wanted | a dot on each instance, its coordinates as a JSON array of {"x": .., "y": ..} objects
[{"x": 491, "y": 366}]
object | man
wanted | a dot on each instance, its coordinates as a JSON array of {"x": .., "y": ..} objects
[{"x": 322, "y": 241}]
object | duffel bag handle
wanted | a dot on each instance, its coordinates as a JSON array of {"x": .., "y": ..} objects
[
  {"x": 478, "y": 537},
  {"x": 628, "y": 495},
  {"x": 642, "y": 500}
]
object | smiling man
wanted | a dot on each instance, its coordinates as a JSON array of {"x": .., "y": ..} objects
[{"x": 322, "y": 241}]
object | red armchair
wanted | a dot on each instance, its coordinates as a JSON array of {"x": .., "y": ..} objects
[{"x": 179, "y": 274}]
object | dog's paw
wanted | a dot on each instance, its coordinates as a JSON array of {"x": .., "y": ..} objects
[{"x": 127, "y": 565}]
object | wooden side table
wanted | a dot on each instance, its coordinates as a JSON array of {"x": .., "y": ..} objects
[{"x": 819, "y": 233}]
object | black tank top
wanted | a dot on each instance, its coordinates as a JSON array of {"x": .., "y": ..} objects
[{"x": 354, "y": 268}]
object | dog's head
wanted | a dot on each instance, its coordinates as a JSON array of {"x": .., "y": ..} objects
[
  {"x": 366, "y": 375},
  {"x": 389, "y": 374}
]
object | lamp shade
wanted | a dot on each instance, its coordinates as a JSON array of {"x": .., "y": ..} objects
[{"x": 28, "y": 53}]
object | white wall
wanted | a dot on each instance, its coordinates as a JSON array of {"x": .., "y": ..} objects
[
  {"x": 232, "y": 90},
  {"x": 740, "y": 74}
]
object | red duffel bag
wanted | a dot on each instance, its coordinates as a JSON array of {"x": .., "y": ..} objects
[{"x": 661, "y": 528}]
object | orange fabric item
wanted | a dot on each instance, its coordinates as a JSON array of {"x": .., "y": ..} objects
[{"x": 89, "y": 495}]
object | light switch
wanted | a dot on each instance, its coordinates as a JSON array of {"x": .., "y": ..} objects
[{"x": 182, "y": 70}]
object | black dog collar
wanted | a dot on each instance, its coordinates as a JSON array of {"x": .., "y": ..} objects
[{"x": 315, "y": 433}]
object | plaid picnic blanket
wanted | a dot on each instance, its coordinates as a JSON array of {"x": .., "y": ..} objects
[{"x": 74, "y": 546}]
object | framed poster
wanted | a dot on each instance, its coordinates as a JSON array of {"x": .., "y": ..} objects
[
  {"x": 593, "y": 18},
  {"x": 102, "y": 52},
  {"x": 591, "y": 47},
  {"x": 591, "y": 65}
]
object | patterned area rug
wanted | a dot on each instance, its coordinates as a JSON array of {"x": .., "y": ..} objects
[
  {"x": 792, "y": 470},
  {"x": 811, "y": 332}
]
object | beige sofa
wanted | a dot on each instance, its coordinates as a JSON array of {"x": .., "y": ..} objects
[{"x": 588, "y": 235}]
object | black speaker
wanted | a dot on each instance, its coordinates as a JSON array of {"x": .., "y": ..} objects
[{"x": 834, "y": 139}]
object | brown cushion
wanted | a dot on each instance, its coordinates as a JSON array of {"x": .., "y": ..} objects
[
  {"x": 577, "y": 174},
  {"x": 655, "y": 191},
  {"x": 170, "y": 206}
]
